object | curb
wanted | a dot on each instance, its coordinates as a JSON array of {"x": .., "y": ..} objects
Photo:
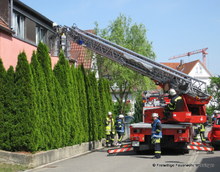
[{"x": 45, "y": 157}]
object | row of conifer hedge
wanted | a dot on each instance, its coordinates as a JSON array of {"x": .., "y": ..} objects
[{"x": 43, "y": 108}]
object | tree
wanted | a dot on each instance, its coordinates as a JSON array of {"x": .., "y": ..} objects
[
  {"x": 9, "y": 108},
  {"x": 51, "y": 98},
  {"x": 23, "y": 136},
  {"x": 122, "y": 80},
  {"x": 213, "y": 90},
  {"x": 98, "y": 109},
  {"x": 2, "y": 99},
  {"x": 106, "y": 102},
  {"x": 42, "y": 102},
  {"x": 83, "y": 106},
  {"x": 67, "y": 81},
  {"x": 138, "y": 109},
  {"x": 90, "y": 94}
]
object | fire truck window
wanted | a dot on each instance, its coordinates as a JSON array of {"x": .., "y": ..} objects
[
  {"x": 218, "y": 121},
  {"x": 194, "y": 110}
]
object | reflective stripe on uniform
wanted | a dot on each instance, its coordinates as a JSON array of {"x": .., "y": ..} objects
[
  {"x": 120, "y": 138},
  {"x": 178, "y": 98},
  {"x": 157, "y": 152},
  {"x": 157, "y": 140},
  {"x": 202, "y": 127},
  {"x": 172, "y": 106}
]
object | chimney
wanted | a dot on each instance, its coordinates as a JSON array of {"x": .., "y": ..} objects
[
  {"x": 180, "y": 66},
  {"x": 181, "y": 62}
]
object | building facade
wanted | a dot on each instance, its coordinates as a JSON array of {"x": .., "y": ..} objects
[
  {"x": 195, "y": 69},
  {"x": 21, "y": 29}
]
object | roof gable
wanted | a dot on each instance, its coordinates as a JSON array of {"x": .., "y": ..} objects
[
  {"x": 186, "y": 67},
  {"x": 199, "y": 70}
]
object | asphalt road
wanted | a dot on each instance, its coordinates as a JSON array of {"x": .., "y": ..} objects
[
  {"x": 171, "y": 161},
  {"x": 100, "y": 161}
]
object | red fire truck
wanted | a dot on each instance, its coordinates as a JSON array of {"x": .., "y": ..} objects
[
  {"x": 214, "y": 134},
  {"x": 178, "y": 128}
]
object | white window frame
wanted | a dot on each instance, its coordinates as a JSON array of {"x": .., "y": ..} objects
[
  {"x": 41, "y": 34},
  {"x": 18, "y": 25}
]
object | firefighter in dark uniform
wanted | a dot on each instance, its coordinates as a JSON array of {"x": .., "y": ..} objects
[
  {"x": 214, "y": 116},
  {"x": 120, "y": 128},
  {"x": 176, "y": 103},
  {"x": 156, "y": 135}
]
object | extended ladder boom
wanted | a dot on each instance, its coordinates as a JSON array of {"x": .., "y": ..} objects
[{"x": 181, "y": 82}]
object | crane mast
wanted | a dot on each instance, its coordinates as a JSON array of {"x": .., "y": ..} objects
[{"x": 160, "y": 73}]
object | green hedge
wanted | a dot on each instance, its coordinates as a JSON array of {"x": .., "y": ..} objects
[{"x": 43, "y": 108}]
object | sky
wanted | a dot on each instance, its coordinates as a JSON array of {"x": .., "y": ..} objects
[{"x": 174, "y": 27}]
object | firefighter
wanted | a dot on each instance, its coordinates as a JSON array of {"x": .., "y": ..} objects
[
  {"x": 201, "y": 129},
  {"x": 214, "y": 116},
  {"x": 196, "y": 131},
  {"x": 110, "y": 130},
  {"x": 120, "y": 128},
  {"x": 156, "y": 135},
  {"x": 176, "y": 103}
]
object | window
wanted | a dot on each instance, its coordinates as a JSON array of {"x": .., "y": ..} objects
[
  {"x": 18, "y": 25},
  {"x": 30, "y": 34},
  {"x": 218, "y": 121},
  {"x": 40, "y": 34},
  {"x": 198, "y": 70}
]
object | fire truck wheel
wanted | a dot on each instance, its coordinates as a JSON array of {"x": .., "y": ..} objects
[
  {"x": 186, "y": 151},
  {"x": 137, "y": 150}
]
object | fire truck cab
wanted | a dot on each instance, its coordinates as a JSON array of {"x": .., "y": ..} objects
[{"x": 214, "y": 134}]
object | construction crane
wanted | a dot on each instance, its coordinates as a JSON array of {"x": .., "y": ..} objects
[{"x": 203, "y": 51}]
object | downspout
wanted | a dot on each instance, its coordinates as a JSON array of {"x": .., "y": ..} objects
[{"x": 11, "y": 23}]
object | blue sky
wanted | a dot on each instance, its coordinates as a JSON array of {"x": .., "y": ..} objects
[{"x": 173, "y": 26}]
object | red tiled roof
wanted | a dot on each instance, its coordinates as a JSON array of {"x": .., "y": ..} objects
[
  {"x": 3, "y": 23},
  {"x": 172, "y": 65},
  {"x": 81, "y": 55},
  {"x": 4, "y": 26},
  {"x": 185, "y": 67}
]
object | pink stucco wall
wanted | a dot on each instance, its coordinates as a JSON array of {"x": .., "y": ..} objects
[{"x": 10, "y": 48}]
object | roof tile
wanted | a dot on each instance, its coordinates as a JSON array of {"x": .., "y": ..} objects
[
  {"x": 80, "y": 54},
  {"x": 185, "y": 67},
  {"x": 4, "y": 24}
]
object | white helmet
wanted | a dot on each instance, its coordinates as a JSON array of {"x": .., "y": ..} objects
[
  {"x": 109, "y": 113},
  {"x": 155, "y": 115},
  {"x": 172, "y": 92},
  {"x": 121, "y": 116},
  {"x": 216, "y": 111}
]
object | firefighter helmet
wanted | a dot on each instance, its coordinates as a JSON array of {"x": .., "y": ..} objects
[
  {"x": 216, "y": 111},
  {"x": 172, "y": 92},
  {"x": 109, "y": 113},
  {"x": 121, "y": 116},
  {"x": 155, "y": 115}
]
